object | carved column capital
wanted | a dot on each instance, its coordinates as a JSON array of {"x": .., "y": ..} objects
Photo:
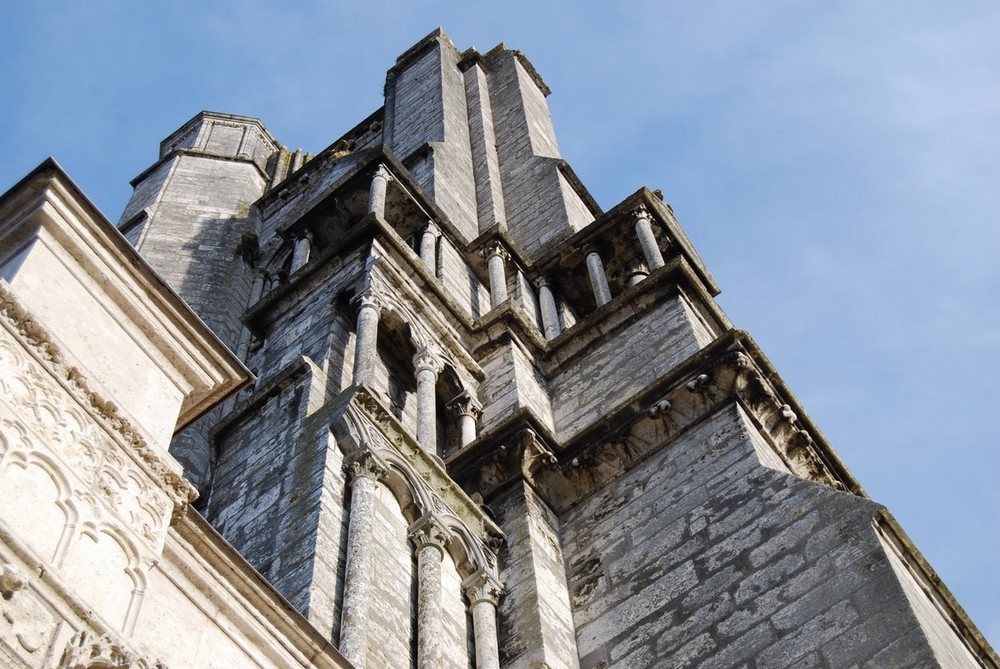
[
  {"x": 427, "y": 359},
  {"x": 432, "y": 228},
  {"x": 639, "y": 212},
  {"x": 482, "y": 587},
  {"x": 366, "y": 465},
  {"x": 382, "y": 172},
  {"x": 466, "y": 405},
  {"x": 428, "y": 530},
  {"x": 543, "y": 281},
  {"x": 86, "y": 649},
  {"x": 495, "y": 249},
  {"x": 369, "y": 299}
]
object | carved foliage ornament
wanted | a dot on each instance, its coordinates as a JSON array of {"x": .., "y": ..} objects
[
  {"x": 88, "y": 651},
  {"x": 24, "y": 621},
  {"x": 91, "y": 453},
  {"x": 482, "y": 587}
]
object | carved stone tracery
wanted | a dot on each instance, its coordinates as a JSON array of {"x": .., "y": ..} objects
[
  {"x": 87, "y": 650},
  {"x": 74, "y": 436}
]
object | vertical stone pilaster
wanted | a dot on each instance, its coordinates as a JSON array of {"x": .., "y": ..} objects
[
  {"x": 369, "y": 308},
  {"x": 547, "y": 305},
  {"x": 496, "y": 255},
  {"x": 377, "y": 194},
  {"x": 598, "y": 278},
  {"x": 429, "y": 537},
  {"x": 300, "y": 253},
  {"x": 428, "y": 247},
  {"x": 366, "y": 472},
  {"x": 483, "y": 592},
  {"x": 647, "y": 240},
  {"x": 428, "y": 366}
]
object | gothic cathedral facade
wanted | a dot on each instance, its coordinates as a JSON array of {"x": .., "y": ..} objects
[{"x": 434, "y": 407}]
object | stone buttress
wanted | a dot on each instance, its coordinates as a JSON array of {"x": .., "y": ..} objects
[{"x": 496, "y": 426}]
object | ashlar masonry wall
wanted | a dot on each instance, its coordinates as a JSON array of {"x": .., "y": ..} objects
[
  {"x": 612, "y": 372},
  {"x": 704, "y": 556}
]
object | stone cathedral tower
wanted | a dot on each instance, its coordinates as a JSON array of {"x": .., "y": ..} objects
[{"x": 494, "y": 425}]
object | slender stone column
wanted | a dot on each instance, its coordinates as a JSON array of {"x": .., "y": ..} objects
[
  {"x": 429, "y": 537},
  {"x": 427, "y": 366},
  {"x": 635, "y": 272},
  {"x": 547, "y": 305},
  {"x": 298, "y": 159},
  {"x": 366, "y": 340},
  {"x": 484, "y": 592},
  {"x": 428, "y": 247},
  {"x": 647, "y": 240},
  {"x": 256, "y": 289},
  {"x": 379, "y": 187},
  {"x": 467, "y": 409},
  {"x": 496, "y": 256},
  {"x": 300, "y": 254},
  {"x": 598, "y": 279},
  {"x": 366, "y": 472}
]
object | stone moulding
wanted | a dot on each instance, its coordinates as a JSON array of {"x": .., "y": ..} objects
[
  {"x": 38, "y": 343},
  {"x": 46, "y": 216},
  {"x": 365, "y": 426},
  {"x": 86, "y": 650},
  {"x": 732, "y": 369},
  {"x": 894, "y": 539}
]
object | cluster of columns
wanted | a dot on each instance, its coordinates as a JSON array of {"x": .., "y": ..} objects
[
  {"x": 430, "y": 538},
  {"x": 426, "y": 363},
  {"x": 635, "y": 272}
]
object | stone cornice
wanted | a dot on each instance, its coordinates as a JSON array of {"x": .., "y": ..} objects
[
  {"x": 221, "y": 582},
  {"x": 46, "y": 205},
  {"x": 37, "y": 342},
  {"x": 731, "y": 369},
  {"x": 895, "y": 539}
]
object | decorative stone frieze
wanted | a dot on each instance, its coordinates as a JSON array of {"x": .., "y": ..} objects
[
  {"x": 730, "y": 370},
  {"x": 87, "y": 650},
  {"x": 105, "y": 459}
]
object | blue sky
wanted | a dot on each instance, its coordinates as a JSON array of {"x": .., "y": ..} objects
[{"x": 836, "y": 164}]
